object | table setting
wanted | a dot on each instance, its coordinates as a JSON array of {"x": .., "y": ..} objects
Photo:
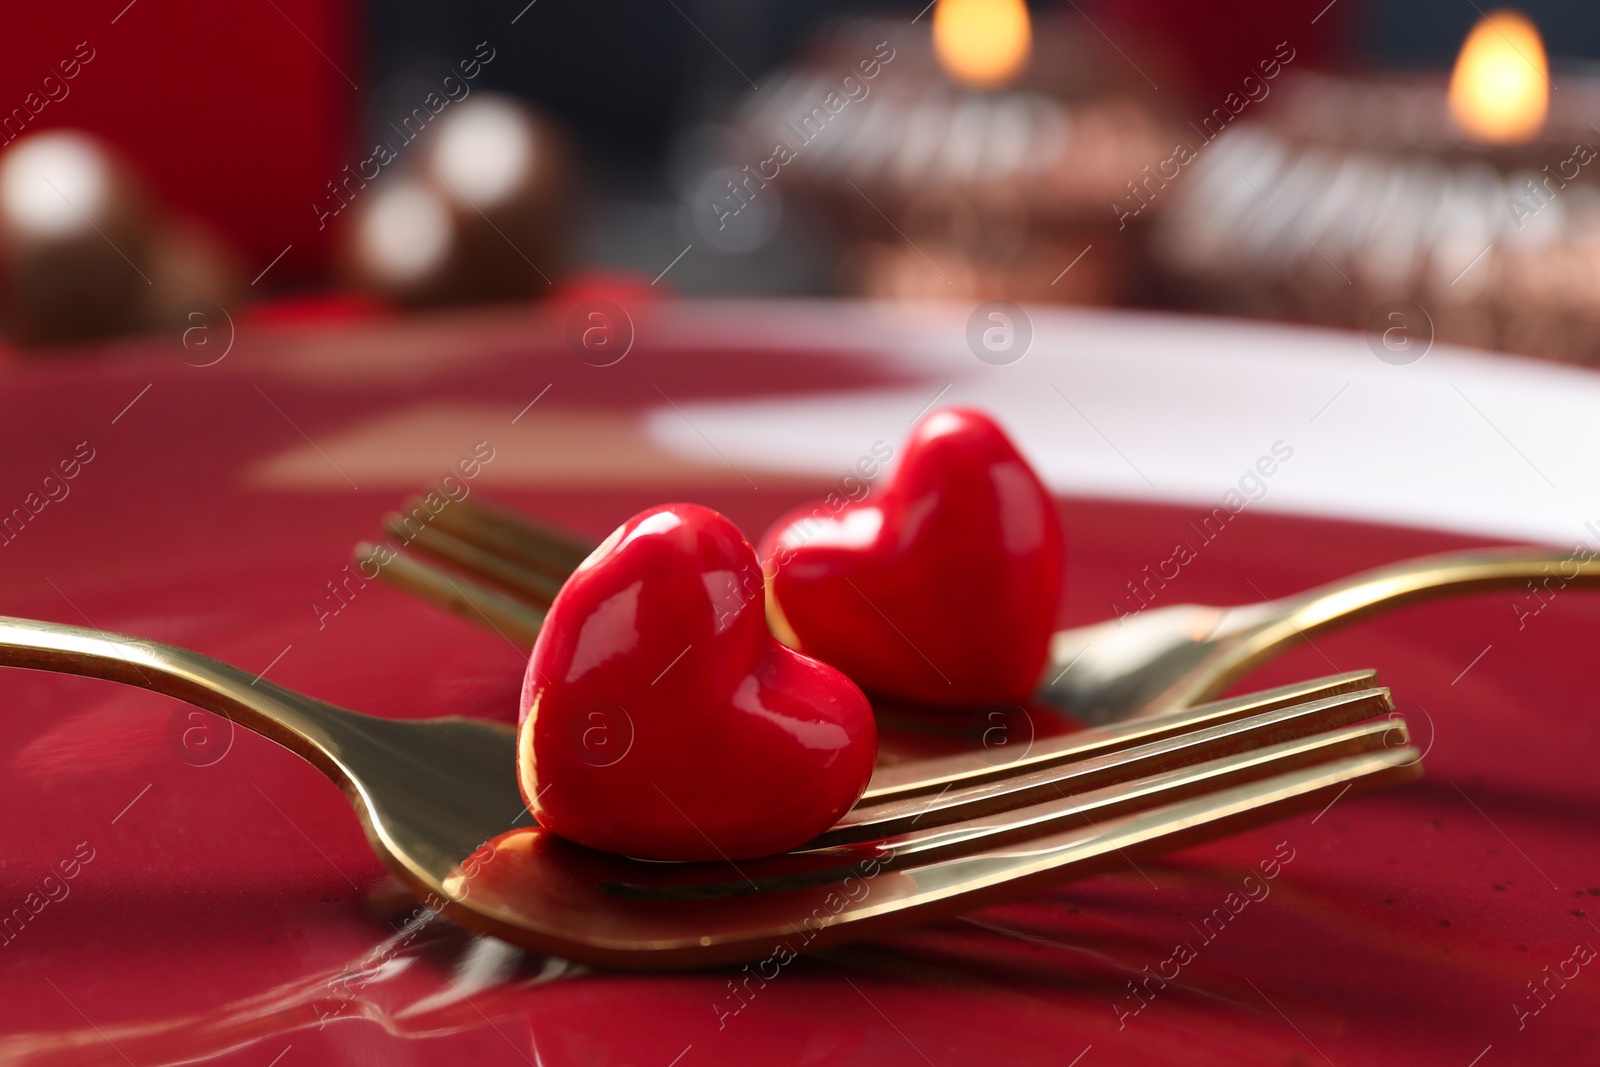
[{"x": 470, "y": 642}]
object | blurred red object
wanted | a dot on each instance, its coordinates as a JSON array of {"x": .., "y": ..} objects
[
  {"x": 1207, "y": 50},
  {"x": 237, "y": 114},
  {"x": 337, "y": 307},
  {"x": 622, "y": 287}
]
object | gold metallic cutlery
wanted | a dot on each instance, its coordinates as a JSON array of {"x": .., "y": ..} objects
[
  {"x": 439, "y": 802},
  {"x": 500, "y": 567}
]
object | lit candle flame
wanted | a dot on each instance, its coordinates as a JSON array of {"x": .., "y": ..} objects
[
  {"x": 1500, "y": 90},
  {"x": 982, "y": 43}
]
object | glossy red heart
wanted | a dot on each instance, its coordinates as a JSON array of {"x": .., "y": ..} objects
[
  {"x": 661, "y": 719},
  {"x": 942, "y": 588}
]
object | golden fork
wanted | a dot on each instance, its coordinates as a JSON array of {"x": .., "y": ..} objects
[
  {"x": 438, "y": 800},
  {"x": 508, "y": 568}
]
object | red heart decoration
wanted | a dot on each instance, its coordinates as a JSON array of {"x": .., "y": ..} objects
[
  {"x": 661, "y": 719},
  {"x": 943, "y": 590}
]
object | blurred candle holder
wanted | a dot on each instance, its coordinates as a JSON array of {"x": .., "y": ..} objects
[
  {"x": 484, "y": 215},
  {"x": 972, "y": 160},
  {"x": 87, "y": 251},
  {"x": 1470, "y": 207}
]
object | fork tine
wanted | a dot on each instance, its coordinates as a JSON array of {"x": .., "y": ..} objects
[
  {"x": 1178, "y": 784},
  {"x": 535, "y": 587},
  {"x": 1201, "y": 793},
  {"x": 586, "y": 905},
  {"x": 528, "y": 542},
  {"x": 925, "y": 776},
  {"x": 871, "y": 822},
  {"x": 1160, "y": 830},
  {"x": 514, "y": 620}
]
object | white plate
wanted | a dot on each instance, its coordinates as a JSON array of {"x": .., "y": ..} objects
[{"x": 1180, "y": 408}]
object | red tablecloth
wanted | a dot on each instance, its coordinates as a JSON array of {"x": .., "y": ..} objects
[{"x": 223, "y": 903}]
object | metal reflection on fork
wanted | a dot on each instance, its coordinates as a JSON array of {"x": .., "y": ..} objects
[
  {"x": 439, "y": 803},
  {"x": 499, "y": 565}
]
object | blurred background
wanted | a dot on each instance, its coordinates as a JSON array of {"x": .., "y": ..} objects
[{"x": 1306, "y": 161}]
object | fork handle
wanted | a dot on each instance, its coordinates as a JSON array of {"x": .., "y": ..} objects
[
  {"x": 1256, "y": 632},
  {"x": 310, "y": 728},
  {"x": 1539, "y": 571}
]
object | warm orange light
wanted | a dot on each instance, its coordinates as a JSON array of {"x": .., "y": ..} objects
[
  {"x": 983, "y": 43},
  {"x": 1500, "y": 90}
]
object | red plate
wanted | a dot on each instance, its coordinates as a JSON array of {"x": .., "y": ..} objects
[{"x": 174, "y": 894}]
